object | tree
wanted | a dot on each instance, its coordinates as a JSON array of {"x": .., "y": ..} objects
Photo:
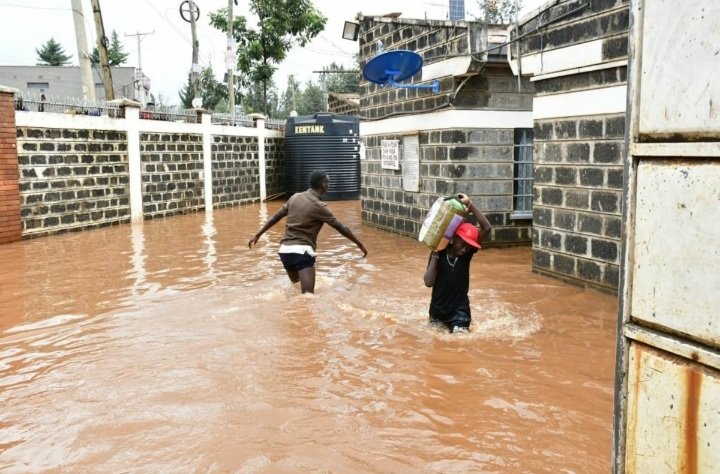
[
  {"x": 340, "y": 82},
  {"x": 52, "y": 54},
  {"x": 313, "y": 99},
  {"x": 212, "y": 92},
  {"x": 499, "y": 11},
  {"x": 261, "y": 99},
  {"x": 281, "y": 25},
  {"x": 116, "y": 55}
]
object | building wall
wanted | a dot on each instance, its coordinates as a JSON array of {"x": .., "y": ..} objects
[
  {"x": 579, "y": 67},
  {"x": 10, "y": 228},
  {"x": 341, "y": 107},
  {"x": 66, "y": 81},
  {"x": 465, "y": 132}
]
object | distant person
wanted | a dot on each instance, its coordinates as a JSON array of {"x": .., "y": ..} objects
[
  {"x": 41, "y": 106},
  {"x": 306, "y": 214},
  {"x": 448, "y": 272}
]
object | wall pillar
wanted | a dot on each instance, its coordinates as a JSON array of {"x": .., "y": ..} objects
[
  {"x": 206, "y": 121},
  {"x": 132, "y": 119},
  {"x": 259, "y": 120},
  {"x": 10, "y": 223}
]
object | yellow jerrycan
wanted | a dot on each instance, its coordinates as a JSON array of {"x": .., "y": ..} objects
[{"x": 445, "y": 216}]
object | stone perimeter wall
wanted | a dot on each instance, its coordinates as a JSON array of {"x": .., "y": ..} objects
[
  {"x": 72, "y": 179},
  {"x": 79, "y": 178}
]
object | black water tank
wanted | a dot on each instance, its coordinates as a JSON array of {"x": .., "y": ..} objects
[{"x": 324, "y": 142}]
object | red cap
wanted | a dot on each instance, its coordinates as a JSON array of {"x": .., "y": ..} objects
[{"x": 469, "y": 234}]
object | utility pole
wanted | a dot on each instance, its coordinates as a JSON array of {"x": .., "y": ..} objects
[
  {"x": 82, "y": 47},
  {"x": 191, "y": 14},
  {"x": 230, "y": 61},
  {"x": 139, "y": 76},
  {"x": 195, "y": 53},
  {"x": 102, "y": 49}
]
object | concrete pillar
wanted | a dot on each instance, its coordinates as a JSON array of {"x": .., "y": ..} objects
[
  {"x": 259, "y": 121},
  {"x": 10, "y": 222},
  {"x": 132, "y": 119},
  {"x": 206, "y": 121}
]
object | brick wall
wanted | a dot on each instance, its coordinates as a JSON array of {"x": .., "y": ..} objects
[
  {"x": 73, "y": 173},
  {"x": 72, "y": 179},
  {"x": 578, "y": 196},
  {"x": 10, "y": 225},
  {"x": 275, "y": 165},
  {"x": 172, "y": 173},
  {"x": 475, "y": 161},
  {"x": 342, "y": 106},
  {"x": 578, "y": 156},
  {"x": 235, "y": 170}
]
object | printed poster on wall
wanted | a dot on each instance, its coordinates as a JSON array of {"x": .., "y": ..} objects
[
  {"x": 390, "y": 158},
  {"x": 411, "y": 164}
]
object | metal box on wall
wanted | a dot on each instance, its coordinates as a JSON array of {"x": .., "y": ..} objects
[{"x": 324, "y": 142}]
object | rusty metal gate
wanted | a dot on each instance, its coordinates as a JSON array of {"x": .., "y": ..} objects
[{"x": 667, "y": 405}]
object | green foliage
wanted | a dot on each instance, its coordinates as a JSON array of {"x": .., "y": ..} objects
[
  {"x": 52, "y": 54},
  {"x": 211, "y": 91},
  {"x": 341, "y": 82},
  {"x": 281, "y": 25},
  {"x": 499, "y": 11},
  {"x": 116, "y": 55},
  {"x": 261, "y": 99}
]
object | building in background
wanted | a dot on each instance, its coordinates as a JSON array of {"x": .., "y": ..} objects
[
  {"x": 473, "y": 136},
  {"x": 66, "y": 81}
]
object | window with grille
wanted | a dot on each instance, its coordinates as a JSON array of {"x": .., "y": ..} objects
[{"x": 523, "y": 174}]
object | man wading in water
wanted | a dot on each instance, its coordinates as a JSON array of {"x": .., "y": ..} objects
[
  {"x": 306, "y": 214},
  {"x": 448, "y": 272}
]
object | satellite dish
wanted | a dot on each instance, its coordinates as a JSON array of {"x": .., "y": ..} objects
[{"x": 390, "y": 67}]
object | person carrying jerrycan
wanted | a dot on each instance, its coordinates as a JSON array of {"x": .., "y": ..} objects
[{"x": 448, "y": 272}]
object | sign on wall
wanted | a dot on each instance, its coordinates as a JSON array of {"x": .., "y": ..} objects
[
  {"x": 411, "y": 164},
  {"x": 390, "y": 158}
]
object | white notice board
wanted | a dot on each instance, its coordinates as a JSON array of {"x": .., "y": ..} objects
[
  {"x": 390, "y": 154},
  {"x": 411, "y": 164}
]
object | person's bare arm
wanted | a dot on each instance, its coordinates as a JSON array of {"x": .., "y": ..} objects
[
  {"x": 431, "y": 271},
  {"x": 347, "y": 233},
  {"x": 273, "y": 220},
  {"x": 485, "y": 226}
]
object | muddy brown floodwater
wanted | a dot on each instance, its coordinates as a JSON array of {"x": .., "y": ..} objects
[{"x": 171, "y": 347}]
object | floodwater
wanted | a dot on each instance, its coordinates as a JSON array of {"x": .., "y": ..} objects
[{"x": 172, "y": 347}]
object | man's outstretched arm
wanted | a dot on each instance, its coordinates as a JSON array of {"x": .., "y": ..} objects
[
  {"x": 273, "y": 220},
  {"x": 347, "y": 233}
]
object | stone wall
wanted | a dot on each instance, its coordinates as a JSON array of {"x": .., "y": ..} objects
[
  {"x": 76, "y": 172},
  {"x": 172, "y": 173},
  {"x": 477, "y": 162},
  {"x": 579, "y": 138},
  {"x": 235, "y": 170},
  {"x": 10, "y": 227},
  {"x": 72, "y": 179},
  {"x": 465, "y": 132},
  {"x": 341, "y": 105},
  {"x": 275, "y": 165}
]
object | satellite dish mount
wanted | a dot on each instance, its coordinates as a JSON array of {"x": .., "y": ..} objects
[{"x": 391, "y": 67}]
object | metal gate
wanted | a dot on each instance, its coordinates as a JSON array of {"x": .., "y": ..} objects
[{"x": 667, "y": 405}]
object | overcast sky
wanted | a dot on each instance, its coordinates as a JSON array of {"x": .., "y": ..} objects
[{"x": 167, "y": 53}]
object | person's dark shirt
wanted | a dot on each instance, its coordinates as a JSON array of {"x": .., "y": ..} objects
[
  {"x": 306, "y": 214},
  {"x": 452, "y": 283}
]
